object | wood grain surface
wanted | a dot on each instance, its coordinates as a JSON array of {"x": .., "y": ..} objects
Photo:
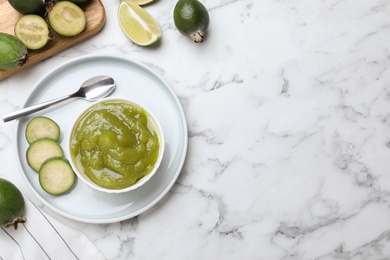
[{"x": 96, "y": 18}]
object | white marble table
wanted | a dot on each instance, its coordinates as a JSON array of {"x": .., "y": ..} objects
[{"x": 287, "y": 105}]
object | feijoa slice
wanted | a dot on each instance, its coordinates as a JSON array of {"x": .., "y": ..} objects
[
  {"x": 32, "y": 30},
  {"x": 41, "y": 150},
  {"x": 13, "y": 52},
  {"x": 56, "y": 176},
  {"x": 67, "y": 18},
  {"x": 42, "y": 127}
]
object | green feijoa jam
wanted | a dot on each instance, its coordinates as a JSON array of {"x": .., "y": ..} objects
[{"x": 115, "y": 143}]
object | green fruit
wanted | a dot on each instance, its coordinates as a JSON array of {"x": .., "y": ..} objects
[
  {"x": 13, "y": 53},
  {"x": 79, "y": 1},
  {"x": 191, "y": 19},
  {"x": 32, "y": 30},
  {"x": 11, "y": 204},
  {"x": 28, "y": 6},
  {"x": 67, "y": 18}
]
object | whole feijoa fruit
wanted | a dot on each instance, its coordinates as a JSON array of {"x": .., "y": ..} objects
[
  {"x": 29, "y": 6},
  {"x": 13, "y": 53},
  {"x": 191, "y": 19},
  {"x": 11, "y": 204}
]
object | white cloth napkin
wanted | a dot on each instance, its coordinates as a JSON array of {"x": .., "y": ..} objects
[{"x": 43, "y": 237}]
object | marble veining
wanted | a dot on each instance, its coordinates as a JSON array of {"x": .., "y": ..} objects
[{"x": 287, "y": 106}]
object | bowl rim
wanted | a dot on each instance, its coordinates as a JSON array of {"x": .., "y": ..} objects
[{"x": 141, "y": 181}]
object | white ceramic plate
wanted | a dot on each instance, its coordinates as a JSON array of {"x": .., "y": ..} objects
[{"x": 134, "y": 81}]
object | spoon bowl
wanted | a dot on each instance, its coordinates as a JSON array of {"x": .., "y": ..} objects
[
  {"x": 96, "y": 88},
  {"x": 92, "y": 89}
]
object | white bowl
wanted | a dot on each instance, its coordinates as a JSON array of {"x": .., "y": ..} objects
[{"x": 78, "y": 168}]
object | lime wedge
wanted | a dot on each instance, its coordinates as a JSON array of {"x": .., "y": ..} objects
[
  {"x": 138, "y": 25},
  {"x": 139, "y": 2},
  {"x": 32, "y": 30},
  {"x": 67, "y": 19}
]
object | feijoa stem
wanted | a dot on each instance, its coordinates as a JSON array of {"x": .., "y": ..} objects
[
  {"x": 22, "y": 59},
  {"x": 15, "y": 222},
  {"x": 197, "y": 36}
]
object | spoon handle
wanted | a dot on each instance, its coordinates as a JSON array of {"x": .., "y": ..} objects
[{"x": 34, "y": 108}]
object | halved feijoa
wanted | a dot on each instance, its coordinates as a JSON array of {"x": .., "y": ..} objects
[
  {"x": 191, "y": 19},
  {"x": 32, "y": 30},
  {"x": 13, "y": 53},
  {"x": 29, "y": 6},
  {"x": 67, "y": 18}
]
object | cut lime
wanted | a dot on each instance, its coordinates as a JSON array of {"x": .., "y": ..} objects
[
  {"x": 79, "y": 2},
  {"x": 67, "y": 19},
  {"x": 139, "y": 2},
  {"x": 32, "y": 30},
  {"x": 138, "y": 24}
]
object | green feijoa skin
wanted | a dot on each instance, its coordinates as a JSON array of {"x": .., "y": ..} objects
[
  {"x": 191, "y": 19},
  {"x": 13, "y": 53},
  {"x": 11, "y": 205},
  {"x": 29, "y": 6}
]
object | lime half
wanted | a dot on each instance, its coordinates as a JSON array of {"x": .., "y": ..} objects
[
  {"x": 138, "y": 25},
  {"x": 67, "y": 19},
  {"x": 139, "y": 2},
  {"x": 32, "y": 30}
]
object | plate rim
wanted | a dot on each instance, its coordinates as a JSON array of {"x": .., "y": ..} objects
[{"x": 77, "y": 60}]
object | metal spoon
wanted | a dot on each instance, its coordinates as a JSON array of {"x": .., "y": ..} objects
[{"x": 91, "y": 90}]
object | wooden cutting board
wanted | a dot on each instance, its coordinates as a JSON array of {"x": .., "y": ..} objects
[{"x": 96, "y": 18}]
